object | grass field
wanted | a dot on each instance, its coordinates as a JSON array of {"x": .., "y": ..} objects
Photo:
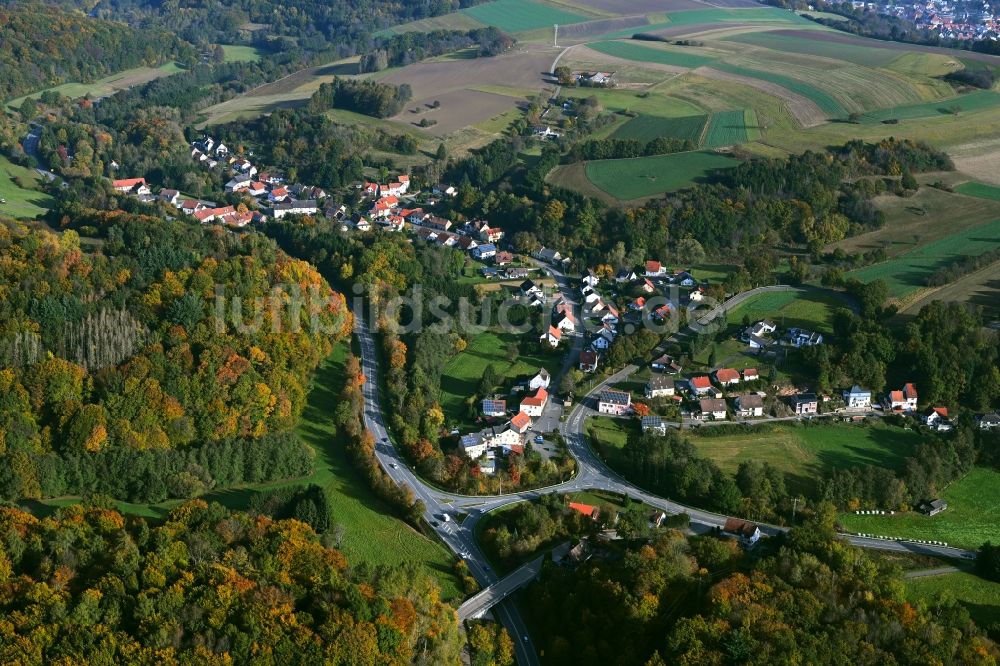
[
  {"x": 697, "y": 17},
  {"x": 20, "y": 202},
  {"x": 804, "y": 452},
  {"x": 811, "y": 309},
  {"x": 821, "y": 98},
  {"x": 646, "y": 128},
  {"x": 107, "y": 85},
  {"x": 241, "y": 53},
  {"x": 645, "y": 176},
  {"x": 521, "y": 15},
  {"x": 972, "y": 516},
  {"x": 662, "y": 56},
  {"x": 726, "y": 128},
  {"x": 980, "y": 190},
  {"x": 981, "y": 288},
  {"x": 908, "y": 272},
  {"x": 974, "y": 101},
  {"x": 980, "y": 597},
  {"x": 461, "y": 375},
  {"x": 915, "y": 220},
  {"x": 646, "y": 103},
  {"x": 452, "y": 21}
]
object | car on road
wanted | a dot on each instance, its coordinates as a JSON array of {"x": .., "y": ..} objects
[
  {"x": 393, "y": 465},
  {"x": 385, "y": 439},
  {"x": 525, "y": 638},
  {"x": 539, "y": 439}
]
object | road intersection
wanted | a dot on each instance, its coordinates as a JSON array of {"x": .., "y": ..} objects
[{"x": 442, "y": 508}]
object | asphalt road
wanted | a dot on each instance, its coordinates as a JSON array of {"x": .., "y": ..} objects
[{"x": 592, "y": 473}]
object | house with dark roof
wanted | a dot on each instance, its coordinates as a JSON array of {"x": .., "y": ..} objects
[
  {"x": 746, "y": 532},
  {"x": 804, "y": 404},
  {"x": 933, "y": 507},
  {"x": 749, "y": 405},
  {"x": 713, "y": 408},
  {"x": 654, "y": 424},
  {"x": 988, "y": 421},
  {"x": 492, "y": 407},
  {"x": 659, "y": 386},
  {"x": 588, "y": 360},
  {"x": 612, "y": 401}
]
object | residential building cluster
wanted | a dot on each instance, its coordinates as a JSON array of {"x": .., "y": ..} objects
[{"x": 965, "y": 21}]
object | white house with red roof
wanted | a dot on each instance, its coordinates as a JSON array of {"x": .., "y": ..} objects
[
  {"x": 700, "y": 385},
  {"x": 655, "y": 269},
  {"x": 534, "y": 404},
  {"x": 131, "y": 186},
  {"x": 553, "y": 336},
  {"x": 726, "y": 377}
]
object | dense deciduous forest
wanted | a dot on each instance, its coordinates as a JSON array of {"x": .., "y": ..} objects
[
  {"x": 361, "y": 96},
  {"x": 411, "y": 47},
  {"x": 41, "y": 46},
  {"x": 205, "y": 350},
  {"x": 696, "y": 600},
  {"x": 206, "y": 586}
]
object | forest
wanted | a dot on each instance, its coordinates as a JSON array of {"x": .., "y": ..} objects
[
  {"x": 411, "y": 47},
  {"x": 361, "y": 96},
  {"x": 207, "y": 586},
  {"x": 41, "y": 46},
  {"x": 811, "y": 599},
  {"x": 171, "y": 340}
]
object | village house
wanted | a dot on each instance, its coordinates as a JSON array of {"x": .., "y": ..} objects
[
  {"x": 936, "y": 418},
  {"x": 520, "y": 422},
  {"x": 169, "y": 196},
  {"x": 588, "y": 360},
  {"x": 587, "y": 510},
  {"x": 280, "y": 210},
  {"x": 666, "y": 363},
  {"x": 548, "y": 255},
  {"x": 131, "y": 186},
  {"x": 529, "y": 288},
  {"x": 653, "y": 424},
  {"x": 239, "y": 183},
  {"x": 513, "y": 273},
  {"x": 700, "y": 385},
  {"x": 490, "y": 234},
  {"x": 933, "y": 507},
  {"x": 553, "y": 336},
  {"x": 612, "y": 401},
  {"x": 487, "y": 251},
  {"x": 655, "y": 269},
  {"x": 542, "y": 379},
  {"x": 805, "y": 404},
  {"x": 494, "y": 408},
  {"x": 726, "y": 377},
  {"x": 625, "y": 275},
  {"x": 857, "y": 398},
  {"x": 750, "y": 374},
  {"x": 713, "y": 408},
  {"x": 798, "y": 337},
  {"x": 746, "y": 532},
  {"x": 466, "y": 243},
  {"x": 647, "y": 286},
  {"x": 362, "y": 223},
  {"x": 589, "y": 278},
  {"x": 437, "y": 223},
  {"x": 902, "y": 401},
  {"x": 659, "y": 386},
  {"x": 749, "y": 405},
  {"x": 503, "y": 258},
  {"x": 988, "y": 421},
  {"x": 565, "y": 321},
  {"x": 534, "y": 404}
]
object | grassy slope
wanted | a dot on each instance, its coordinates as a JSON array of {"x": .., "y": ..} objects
[
  {"x": 21, "y": 203},
  {"x": 241, "y": 53},
  {"x": 907, "y": 272},
  {"x": 646, "y": 128},
  {"x": 980, "y": 190},
  {"x": 461, "y": 375},
  {"x": 639, "y": 53},
  {"x": 972, "y": 516},
  {"x": 107, "y": 85},
  {"x": 811, "y": 309},
  {"x": 644, "y": 176},
  {"x": 979, "y": 596},
  {"x": 726, "y": 128},
  {"x": 974, "y": 101}
]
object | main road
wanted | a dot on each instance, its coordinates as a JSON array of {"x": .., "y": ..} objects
[{"x": 442, "y": 507}]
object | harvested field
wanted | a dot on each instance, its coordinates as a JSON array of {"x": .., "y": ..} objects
[
  {"x": 249, "y": 106},
  {"x": 627, "y": 7},
  {"x": 429, "y": 80},
  {"x": 574, "y": 177},
  {"x": 585, "y": 54},
  {"x": 452, "y": 21},
  {"x": 678, "y": 57},
  {"x": 821, "y": 98},
  {"x": 459, "y": 108},
  {"x": 601, "y": 27},
  {"x": 779, "y": 41},
  {"x": 803, "y": 109},
  {"x": 646, "y": 128}
]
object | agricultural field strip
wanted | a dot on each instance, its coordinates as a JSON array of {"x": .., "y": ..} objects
[
  {"x": 639, "y": 177},
  {"x": 521, "y": 15},
  {"x": 907, "y": 272},
  {"x": 974, "y": 101}
]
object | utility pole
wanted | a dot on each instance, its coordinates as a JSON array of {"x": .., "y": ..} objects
[
  {"x": 795, "y": 505},
  {"x": 555, "y": 36}
]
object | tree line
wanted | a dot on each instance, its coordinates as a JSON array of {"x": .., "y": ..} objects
[{"x": 361, "y": 96}]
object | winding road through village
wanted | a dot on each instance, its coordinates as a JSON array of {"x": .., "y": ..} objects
[{"x": 441, "y": 507}]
